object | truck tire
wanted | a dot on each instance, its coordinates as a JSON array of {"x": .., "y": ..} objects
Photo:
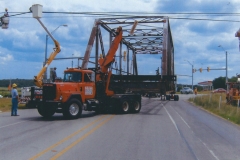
[
  {"x": 46, "y": 112},
  {"x": 73, "y": 109},
  {"x": 176, "y": 97},
  {"x": 168, "y": 97},
  {"x": 136, "y": 106},
  {"x": 124, "y": 106}
]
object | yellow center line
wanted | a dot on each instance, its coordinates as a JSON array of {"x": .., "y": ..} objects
[
  {"x": 65, "y": 139},
  {"x": 80, "y": 139}
]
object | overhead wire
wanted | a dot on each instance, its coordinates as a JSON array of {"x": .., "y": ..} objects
[
  {"x": 137, "y": 13},
  {"x": 129, "y": 14}
]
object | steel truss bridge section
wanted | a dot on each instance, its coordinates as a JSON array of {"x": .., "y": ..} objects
[{"x": 152, "y": 35}]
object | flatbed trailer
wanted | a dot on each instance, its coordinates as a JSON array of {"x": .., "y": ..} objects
[{"x": 145, "y": 84}]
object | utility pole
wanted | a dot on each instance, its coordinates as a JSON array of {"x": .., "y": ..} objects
[
  {"x": 192, "y": 72},
  {"x": 46, "y": 48},
  {"x": 226, "y": 65}
]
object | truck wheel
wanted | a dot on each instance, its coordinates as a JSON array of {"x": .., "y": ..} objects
[
  {"x": 73, "y": 109},
  {"x": 136, "y": 107},
  {"x": 167, "y": 97},
  {"x": 124, "y": 107},
  {"x": 46, "y": 112},
  {"x": 176, "y": 97}
]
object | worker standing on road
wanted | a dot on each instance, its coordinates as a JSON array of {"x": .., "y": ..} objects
[
  {"x": 54, "y": 75},
  {"x": 195, "y": 91},
  {"x": 14, "y": 100}
]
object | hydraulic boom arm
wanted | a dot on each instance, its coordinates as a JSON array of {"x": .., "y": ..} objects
[
  {"x": 109, "y": 59},
  {"x": 106, "y": 62},
  {"x": 39, "y": 77},
  {"x": 37, "y": 13}
]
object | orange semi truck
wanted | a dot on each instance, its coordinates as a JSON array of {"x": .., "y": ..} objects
[{"x": 84, "y": 89}]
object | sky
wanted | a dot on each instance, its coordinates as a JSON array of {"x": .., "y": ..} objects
[{"x": 196, "y": 33}]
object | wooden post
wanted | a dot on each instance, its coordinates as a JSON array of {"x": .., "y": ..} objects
[{"x": 220, "y": 99}]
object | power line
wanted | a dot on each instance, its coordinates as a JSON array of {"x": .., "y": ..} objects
[
  {"x": 100, "y": 14},
  {"x": 134, "y": 13},
  {"x": 219, "y": 20}
]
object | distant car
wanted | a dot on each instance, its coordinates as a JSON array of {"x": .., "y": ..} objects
[
  {"x": 219, "y": 90},
  {"x": 186, "y": 90},
  {"x": 1, "y": 96}
]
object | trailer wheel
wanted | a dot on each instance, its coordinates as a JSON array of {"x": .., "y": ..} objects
[
  {"x": 45, "y": 111},
  {"x": 124, "y": 107},
  {"x": 73, "y": 109},
  {"x": 136, "y": 106}
]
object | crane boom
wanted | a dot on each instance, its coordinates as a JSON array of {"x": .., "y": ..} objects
[
  {"x": 37, "y": 13},
  {"x": 106, "y": 62},
  {"x": 38, "y": 79},
  {"x": 109, "y": 59}
]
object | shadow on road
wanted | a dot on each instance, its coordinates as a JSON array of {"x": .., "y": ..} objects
[{"x": 57, "y": 117}]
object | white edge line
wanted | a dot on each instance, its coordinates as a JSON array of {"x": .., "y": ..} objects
[
  {"x": 12, "y": 124},
  {"x": 172, "y": 120},
  {"x": 199, "y": 138},
  {"x": 213, "y": 154},
  {"x": 182, "y": 119}
]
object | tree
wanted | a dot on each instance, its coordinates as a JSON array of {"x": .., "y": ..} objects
[
  {"x": 219, "y": 82},
  {"x": 233, "y": 79}
]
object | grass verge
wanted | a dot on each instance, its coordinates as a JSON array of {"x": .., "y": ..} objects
[
  {"x": 6, "y": 104},
  {"x": 216, "y": 103}
]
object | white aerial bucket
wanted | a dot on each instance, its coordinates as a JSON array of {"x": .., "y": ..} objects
[{"x": 37, "y": 10}]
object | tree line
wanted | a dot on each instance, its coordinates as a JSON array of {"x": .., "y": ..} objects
[
  {"x": 19, "y": 82},
  {"x": 219, "y": 82}
]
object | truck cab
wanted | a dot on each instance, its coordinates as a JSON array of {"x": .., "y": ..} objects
[
  {"x": 76, "y": 82},
  {"x": 68, "y": 96}
]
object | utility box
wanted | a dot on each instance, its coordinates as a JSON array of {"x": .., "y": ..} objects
[{"x": 37, "y": 10}]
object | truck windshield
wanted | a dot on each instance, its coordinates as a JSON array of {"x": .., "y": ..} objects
[{"x": 72, "y": 77}]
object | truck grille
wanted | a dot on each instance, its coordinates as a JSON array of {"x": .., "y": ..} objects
[{"x": 49, "y": 91}]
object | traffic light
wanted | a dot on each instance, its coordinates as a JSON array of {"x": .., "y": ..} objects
[
  {"x": 193, "y": 70},
  {"x": 208, "y": 69},
  {"x": 200, "y": 70}
]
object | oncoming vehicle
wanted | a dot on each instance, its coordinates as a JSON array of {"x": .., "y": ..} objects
[
  {"x": 219, "y": 90},
  {"x": 186, "y": 90}
]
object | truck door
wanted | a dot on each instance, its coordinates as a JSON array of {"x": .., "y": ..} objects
[{"x": 89, "y": 86}]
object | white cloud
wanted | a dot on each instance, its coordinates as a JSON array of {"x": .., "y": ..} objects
[{"x": 5, "y": 58}]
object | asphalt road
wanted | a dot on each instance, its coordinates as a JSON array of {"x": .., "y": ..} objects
[{"x": 163, "y": 130}]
